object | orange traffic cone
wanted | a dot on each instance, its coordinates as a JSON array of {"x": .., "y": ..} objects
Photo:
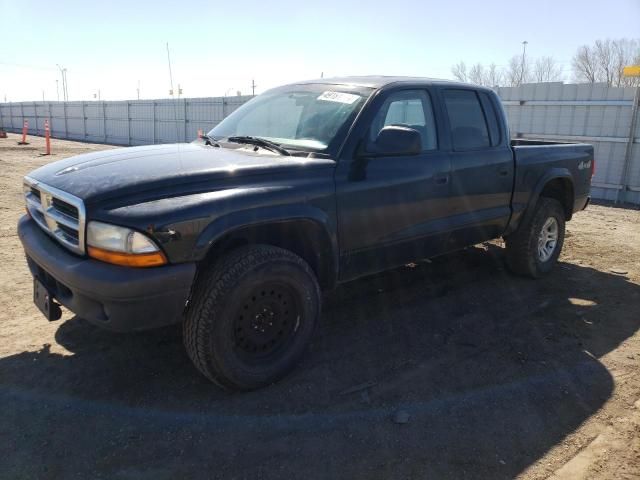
[{"x": 25, "y": 128}]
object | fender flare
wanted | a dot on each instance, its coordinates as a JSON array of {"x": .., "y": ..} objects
[
  {"x": 553, "y": 174},
  {"x": 263, "y": 216}
]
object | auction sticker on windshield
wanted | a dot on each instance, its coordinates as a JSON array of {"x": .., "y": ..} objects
[{"x": 339, "y": 97}]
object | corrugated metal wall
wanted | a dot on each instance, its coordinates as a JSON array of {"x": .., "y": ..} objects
[
  {"x": 132, "y": 122},
  {"x": 591, "y": 113}
]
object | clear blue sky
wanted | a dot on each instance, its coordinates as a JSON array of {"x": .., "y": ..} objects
[{"x": 220, "y": 46}]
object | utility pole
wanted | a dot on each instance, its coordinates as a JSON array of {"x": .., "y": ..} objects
[
  {"x": 65, "y": 91},
  {"x": 253, "y": 88},
  {"x": 62, "y": 75},
  {"x": 523, "y": 66},
  {"x": 57, "y": 90},
  {"x": 170, "y": 74},
  {"x": 138, "y": 89}
]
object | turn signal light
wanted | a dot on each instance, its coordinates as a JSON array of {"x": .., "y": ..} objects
[{"x": 153, "y": 259}]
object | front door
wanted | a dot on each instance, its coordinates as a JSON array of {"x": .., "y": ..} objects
[{"x": 390, "y": 208}]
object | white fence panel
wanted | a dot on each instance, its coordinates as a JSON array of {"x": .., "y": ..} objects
[{"x": 590, "y": 113}]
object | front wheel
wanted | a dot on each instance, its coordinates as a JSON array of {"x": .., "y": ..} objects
[
  {"x": 251, "y": 317},
  {"x": 534, "y": 248}
]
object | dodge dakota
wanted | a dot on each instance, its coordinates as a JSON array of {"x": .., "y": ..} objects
[{"x": 303, "y": 188}]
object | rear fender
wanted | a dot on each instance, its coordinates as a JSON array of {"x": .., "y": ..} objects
[{"x": 551, "y": 175}]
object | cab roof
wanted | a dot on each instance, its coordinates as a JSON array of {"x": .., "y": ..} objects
[{"x": 380, "y": 81}]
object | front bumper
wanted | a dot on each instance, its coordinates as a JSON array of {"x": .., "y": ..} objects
[{"x": 110, "y": 296}]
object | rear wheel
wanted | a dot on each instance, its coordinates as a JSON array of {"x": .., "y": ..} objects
[
  {"x": 534, "y": 248},
  {"x": 252, "y": 316}
]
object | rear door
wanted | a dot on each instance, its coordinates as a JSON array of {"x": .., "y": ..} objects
[
  {"x": 482, "y": 167},
  {"x": 389, "y": 206}
]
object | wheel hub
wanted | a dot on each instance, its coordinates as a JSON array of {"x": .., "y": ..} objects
[
  {"x": 265, "y": 320},
  {"x": 548, "y": 239}
]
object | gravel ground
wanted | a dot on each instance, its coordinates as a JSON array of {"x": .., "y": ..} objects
[{"x": 446, "y": 369}]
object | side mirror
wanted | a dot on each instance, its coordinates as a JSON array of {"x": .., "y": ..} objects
[{"x": 396, "y": 140}]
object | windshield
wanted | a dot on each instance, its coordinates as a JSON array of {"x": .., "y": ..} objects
[{"x": 304, "y": 117}]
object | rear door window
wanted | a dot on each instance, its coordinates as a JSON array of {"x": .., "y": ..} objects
[{"x": 467, "y": 120}]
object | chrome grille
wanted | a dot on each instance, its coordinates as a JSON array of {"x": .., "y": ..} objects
[{"x": 58, "y": 213}]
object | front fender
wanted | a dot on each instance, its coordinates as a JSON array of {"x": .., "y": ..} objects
[
  {"x": 256, "y": 217},
  {"x": 303, "y": 229}
]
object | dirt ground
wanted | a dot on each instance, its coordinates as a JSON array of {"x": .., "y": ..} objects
[{"x": 494, "y": 376}]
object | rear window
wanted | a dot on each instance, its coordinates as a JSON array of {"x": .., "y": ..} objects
[{"x": 468, "y": 125}]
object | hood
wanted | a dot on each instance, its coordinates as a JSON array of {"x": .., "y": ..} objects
[{"x": 111, "y": 173}]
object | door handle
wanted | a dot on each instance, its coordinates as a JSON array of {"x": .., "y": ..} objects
[
  {"x": 503, "y": 172},
  {"x": 442, "y": 179}
]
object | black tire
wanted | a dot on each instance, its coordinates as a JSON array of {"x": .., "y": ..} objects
[
  {"x": 251, "y": 316},
  {"x": 522, "y": 253}
]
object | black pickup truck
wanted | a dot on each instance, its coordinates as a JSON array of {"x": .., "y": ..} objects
[{"x": 302, "y": 188}]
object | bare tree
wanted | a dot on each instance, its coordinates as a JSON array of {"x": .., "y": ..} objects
[
  {"x": 512, "y": 72},
  {"x": 604, "y": 53},
  {"x": 459, "y": 71},
  {"x": 476, "y": 74},
  {"x": 605, "y": 60},
  {"x": 493, "y": 76},
  {"x": 585, "y": 65},
  {"x": 547, "y": 70},
  {"x": 518, "y": 71},
  {"x": 490, "y": 76},
  {"x": 601, "y": 62}
]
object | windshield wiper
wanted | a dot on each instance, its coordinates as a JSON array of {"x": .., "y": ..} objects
[
  {"x": 209, "y": 140},
  {"x": 260, "y": 142}
]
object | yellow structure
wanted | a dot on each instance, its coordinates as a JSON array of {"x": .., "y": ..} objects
[{"x": 631, "y": 71}]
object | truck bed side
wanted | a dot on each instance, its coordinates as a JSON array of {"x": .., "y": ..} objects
[{"x": 565, "y": 169}]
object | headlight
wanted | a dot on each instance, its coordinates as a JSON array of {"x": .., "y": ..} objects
[{"x": 122, "y": 246}]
